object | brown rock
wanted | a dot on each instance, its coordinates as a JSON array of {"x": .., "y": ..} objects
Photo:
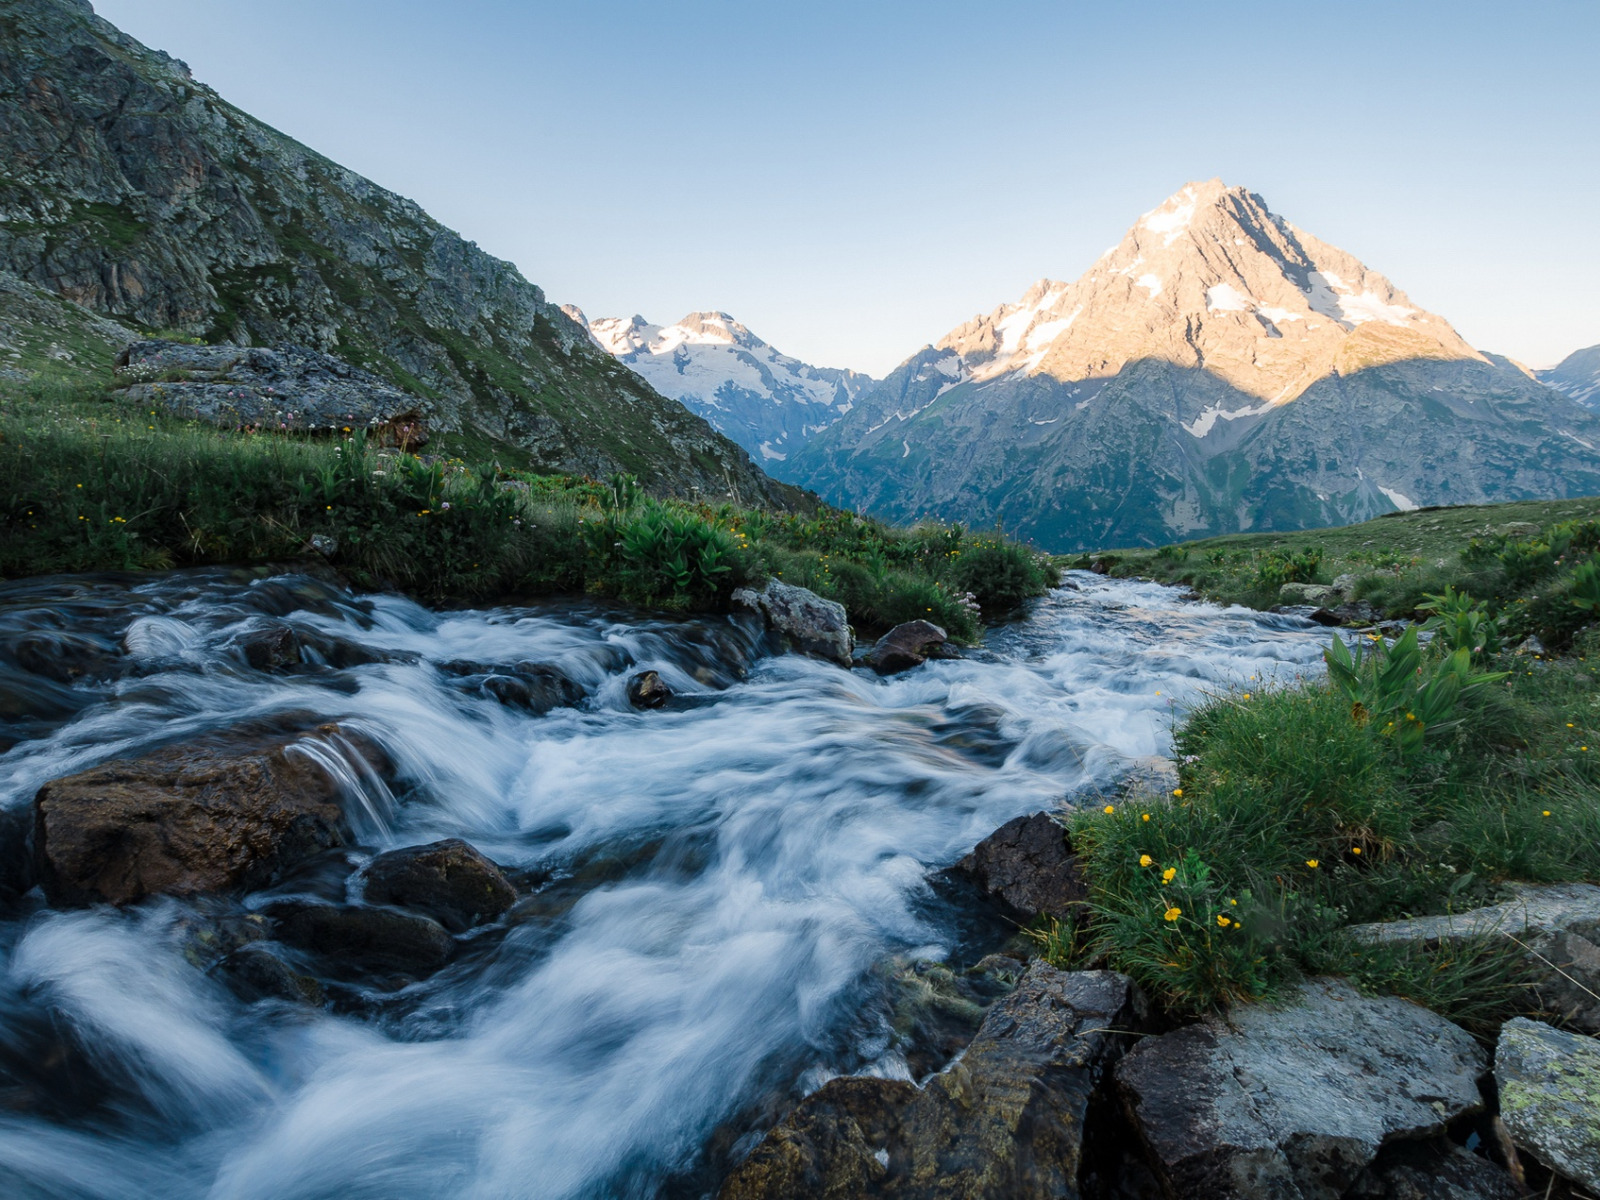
[
  {"x": 216, "y": 816},
  {"x": 1005, "y": 1122},
  {"x": 905, "y": 646},
  {"x": 365, "y": 938},
  {"x": 448, "y": 880},
  {"x": 645, "y": 690},
  {"x": 1027, "y": 865}
]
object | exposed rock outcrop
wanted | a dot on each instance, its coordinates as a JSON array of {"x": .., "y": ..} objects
[
  {"x": 1550, "y": 1096},
  {"x": 1555, "y": 929},
  {"x": 226, "y": 814},
  {"x": 1294, "y": 1101},
  {"x": 813, "y": 625},
  {"x": 1027, "y": 866},
  {"x": 1005, "y": 1122},
  {"x": 448, "y": 880},
  {"x": 907, "y": 645},
  {"x": 284, "y": 388}
]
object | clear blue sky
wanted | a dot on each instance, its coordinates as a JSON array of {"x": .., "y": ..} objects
[{"x": 853, "y": 179}]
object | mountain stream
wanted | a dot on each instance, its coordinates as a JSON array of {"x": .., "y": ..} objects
[{"x": 726, "y": 877}]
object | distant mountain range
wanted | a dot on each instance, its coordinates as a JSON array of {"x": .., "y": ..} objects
[
  {"x": 1218, "y": 370},
  {"x": 134, "y": 199},
  {"x": 769, "y": 403},
  {"x": 1577, "y": 375}
]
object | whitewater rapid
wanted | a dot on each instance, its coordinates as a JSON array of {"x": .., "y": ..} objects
[{"x": 771, "y": 840}]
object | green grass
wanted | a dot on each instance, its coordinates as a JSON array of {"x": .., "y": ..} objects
[
  {"x": 91, "y": 483},
  {"x": 1302, "y": 810},
  {"x": 1398, "y": 558}
]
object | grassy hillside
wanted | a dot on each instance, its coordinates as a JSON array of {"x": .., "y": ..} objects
[{"x": 89, "y": 482}]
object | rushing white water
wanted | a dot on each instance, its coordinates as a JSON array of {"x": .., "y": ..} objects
[{"x": 771, "y": 839}]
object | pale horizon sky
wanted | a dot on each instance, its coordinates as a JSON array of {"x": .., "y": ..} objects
[{"x": 851, "y": 181}]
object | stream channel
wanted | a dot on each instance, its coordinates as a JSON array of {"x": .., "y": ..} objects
[{"x": 731, "y": 881}]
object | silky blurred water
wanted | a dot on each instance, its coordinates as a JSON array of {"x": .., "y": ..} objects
[{"x": 771, "y": 839}]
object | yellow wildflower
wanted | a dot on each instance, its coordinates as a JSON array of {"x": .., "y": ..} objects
[
  {"x": 1110, "y": 808},
  {"x": 1177, "y": 791},
  {"x": 1166, "y": 876},
  {"x": 1172, "y": 914},
  {"x": 1222, "y": 919},
  {"x": 1313, "y": 863},
  {"x": 1145, "y": 860},
  {"x": 1146, "y": 817}
]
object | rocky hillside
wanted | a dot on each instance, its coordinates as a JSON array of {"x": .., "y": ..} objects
[
  {"x": 143, "y": 197},
  {"x": 1577, "y": 375},
  {"x": 1218, "y": 370},
  {"x": 769, "y": 403}
]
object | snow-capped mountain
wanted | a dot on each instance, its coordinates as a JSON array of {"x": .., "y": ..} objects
[
  {"x": 1217, "y": 370},
  {"x": 769, "y": 403},
  {"x": 1577, "y": 375}
]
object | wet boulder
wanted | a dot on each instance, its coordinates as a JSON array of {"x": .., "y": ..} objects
[
  {"x": 448, "y": 880},
  {"x": 16, "y": 852},
  {"x": 364, "y": 937},
  {"x": 907, "y": 645},
  {"x": 1027, "y": 866},
  {"x": 1554, "y": 928},
  {"x": 213, "y": 816},
  {"x": 537, "y": 687},
  {"x": 1294, "y": 1101},
  {"x": 647, "y": 690},
  {"x": 1004, "y": 1122},
  {"x": 259, "y": 973},
  {"x": 1549, "y": 1083},
  {"x": 66, "y": 657},
  {"x": 270, "y": 649},
  {"x": 813, "y": 625}
]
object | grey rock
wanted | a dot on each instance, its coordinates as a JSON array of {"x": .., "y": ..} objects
[
  {"x": 1530, "y": 645},
  {"x": 270, "y": 649},
  {"x": 1027, "y": 866},
  {"x": 1150, "y": 775},
  {"x": 324, "y": 544},
  {"x": 284, "y": 388},
  {"x": 1518, "y": 529},
  {"x": 1004, "y": 1122},
  {"x": 449, "y": 880},
  {"x": 815, "y": 626},
  {"x": 1550, "y": 1096},
  {"x": 1307, "y": 593},
  {"x": 1344, "y": 585},
  {"x": 257, "y": 973},
  {"x": 1293, "y": 1101},
  {"x": 905, "y": 646},
  {"x": 1558, "y": 928},
  {"x": 1432, "y": 1170}
]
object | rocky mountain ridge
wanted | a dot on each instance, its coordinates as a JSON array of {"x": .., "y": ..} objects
[
  {"x": 768, "y": 402},
  {"x": 143, "y": 197},
  {"x": 1218, "y": 370},
  {"x": 1576, "y": 376}
]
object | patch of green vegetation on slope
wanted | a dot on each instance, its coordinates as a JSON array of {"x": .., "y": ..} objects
[{"x": 95, "y": 483}]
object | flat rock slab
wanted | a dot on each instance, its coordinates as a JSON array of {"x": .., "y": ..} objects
[
  {"x": 1293, "y": 1101},
  {"x": 1027, "y": 866},
  {"x": 1558, "y": 926},
  {"x": 214, "y": 816},
  {"x": 815, "y": 626},
  {"x": 1434, "y": 1170},
  {"x": 1550, "y": 1096},
  {"x": 259, "y": 387},
  {"x": 1004, "y": 1122}
]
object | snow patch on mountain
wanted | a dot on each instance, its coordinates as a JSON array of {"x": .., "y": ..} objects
[
  {"x": 768, "y": 402},
  {"x": 1577, "y": 376}
]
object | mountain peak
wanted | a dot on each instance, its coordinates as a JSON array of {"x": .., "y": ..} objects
[{"x": 1210, "y": 278}]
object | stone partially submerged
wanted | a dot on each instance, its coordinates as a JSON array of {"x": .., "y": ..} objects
[
  {"x": 228, "y": 814},
  {"x": 282, "y": 388},
  {"x": 1294, "y": 1101},
  {"x": 1555, "y": 928},
  {"x": 1004, "y": 1122},
  {"x": 1028, "y": 867},
  {"x": 1550, "y": 1096},
  {"x": 813, "y": 625}
]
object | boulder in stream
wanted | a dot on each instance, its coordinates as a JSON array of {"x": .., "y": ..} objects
[
  {"x": 1293, "y": 1101},
  {"x": 1555, "y": 928},
  {"x": 220, "y": 815},
  {"x": 448, "y": 880},
  {"x": 1028, "y": 867},
  {"x": 1004, "y": 1122},
  {"x": 646, "y": 690},
  {"x": 907, "y": 645},
  {"x": 1550, "y": 1096},
  {"x": 815, "y": 626},
  {"x": 365, "y": 937}
]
